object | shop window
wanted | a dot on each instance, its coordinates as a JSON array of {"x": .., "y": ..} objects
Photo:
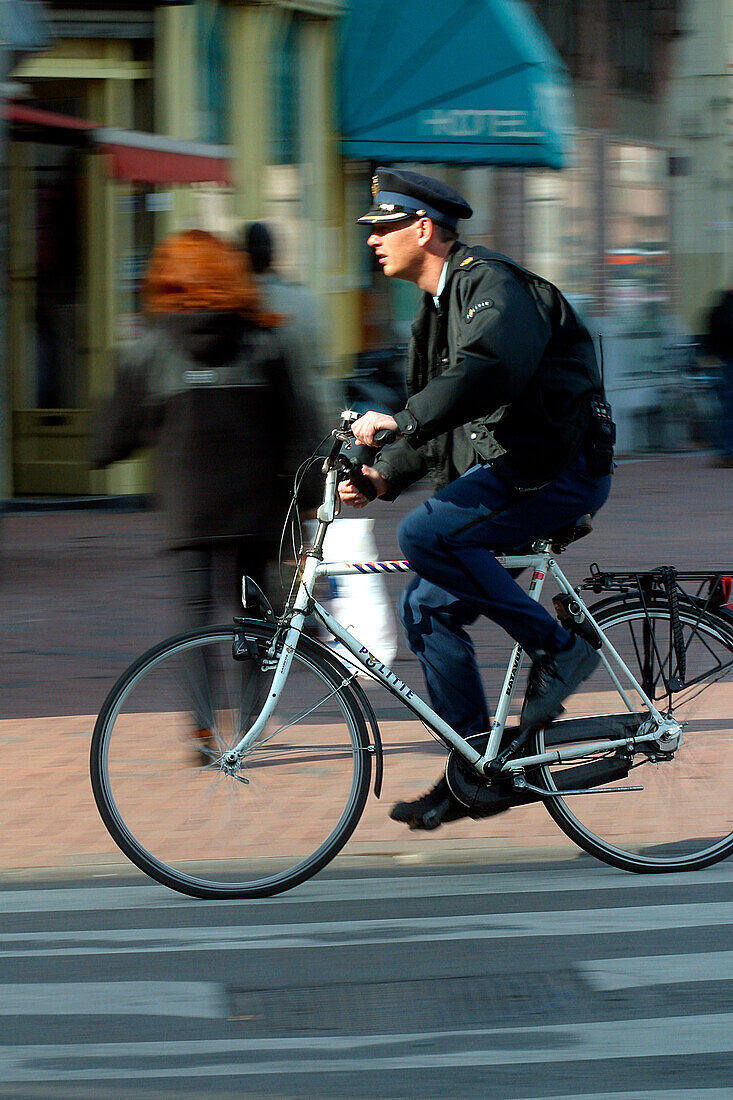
[
  {"x": 562, "y": 21},
  {"x": 285, "y": 94},
  {"x": 637, "y": 241},
  {"x": 639, "y": 31},
  {"x": 212, "y": 71},
  {"x": 561, "y": 225},
  {"x": 54, "y": 315}
]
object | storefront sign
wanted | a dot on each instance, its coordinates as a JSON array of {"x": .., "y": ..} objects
[{"x": 480, "y": 124}]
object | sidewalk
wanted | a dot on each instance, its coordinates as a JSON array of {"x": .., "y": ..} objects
[{"x": 86, "y": 592}]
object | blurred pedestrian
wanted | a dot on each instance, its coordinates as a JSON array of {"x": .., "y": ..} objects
[
  {"x": 720, "y": 344},
  {"x": 301, "y": 328},
  {"x": 209, "y": 383}
]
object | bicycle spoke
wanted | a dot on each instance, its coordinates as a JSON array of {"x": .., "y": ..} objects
[{"x": 305, "y": 713}]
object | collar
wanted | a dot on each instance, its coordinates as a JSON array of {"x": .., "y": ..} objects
[{"x": 441, "y": 283}]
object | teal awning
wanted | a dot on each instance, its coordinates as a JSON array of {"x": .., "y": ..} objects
[
  {"x": 24, "y": 25},
  {"x": 463, "y": 81}
]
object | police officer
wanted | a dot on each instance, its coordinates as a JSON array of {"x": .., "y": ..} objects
[{"x": 504, "y": 395}]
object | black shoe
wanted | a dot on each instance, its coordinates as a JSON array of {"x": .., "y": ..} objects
[
  {"x": 552, "y": 678},
  {"x": 433, "y": 809}
]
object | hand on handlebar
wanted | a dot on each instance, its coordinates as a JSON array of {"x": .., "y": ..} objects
[
  {"x": 366, "y": 426},
  {"x": 352, "y": 496}
]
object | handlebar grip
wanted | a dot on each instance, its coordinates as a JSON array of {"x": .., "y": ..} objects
[{"x": 384, "y": 437}]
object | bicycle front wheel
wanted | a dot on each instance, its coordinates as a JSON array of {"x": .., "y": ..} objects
[
  {"x": 175, "y": 811},
  {"x": 681, "y": 820}
]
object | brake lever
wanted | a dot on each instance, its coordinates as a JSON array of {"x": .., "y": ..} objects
[{"x": 352, "y": 470}]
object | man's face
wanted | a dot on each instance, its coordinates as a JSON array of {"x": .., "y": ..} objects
[{"x": 397, "y": 249}]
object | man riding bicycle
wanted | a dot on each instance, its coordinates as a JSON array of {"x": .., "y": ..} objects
[{"x": 507, "y": 414}]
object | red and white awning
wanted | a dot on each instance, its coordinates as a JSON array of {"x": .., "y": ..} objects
[{"x": 130, "y": 155}]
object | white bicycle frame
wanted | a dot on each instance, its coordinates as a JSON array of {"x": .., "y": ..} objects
[{"x": 540, "y": 561}]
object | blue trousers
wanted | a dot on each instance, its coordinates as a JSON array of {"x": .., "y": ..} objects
[{"x": 450, "y": 542}]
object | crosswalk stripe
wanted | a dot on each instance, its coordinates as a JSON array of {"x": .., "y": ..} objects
[
  {"x": 203, "y": 1000},
  {"x": 326, "y": 891},
  {"x": 590, "y": 1042},
  {"x": 208, "y": 1000},
  {"x": 707, "y": 966},
  {"x": 328, "y": 934},
  {"x": 644, "y": 1094}
]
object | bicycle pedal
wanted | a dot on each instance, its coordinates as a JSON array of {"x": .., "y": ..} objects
[{"x": 430, "y": 820}]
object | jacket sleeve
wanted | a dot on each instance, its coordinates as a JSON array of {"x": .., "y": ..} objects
[
  {"x": 123, "y": 423},
  {"x": 497, "y": 335},
  {"x": 401, "y": 465}
]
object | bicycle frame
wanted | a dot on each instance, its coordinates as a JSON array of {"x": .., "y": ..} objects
[{"x": 540, "y": 561}]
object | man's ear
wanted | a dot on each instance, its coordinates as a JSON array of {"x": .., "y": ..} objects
[{"x": 425, "y": 232}]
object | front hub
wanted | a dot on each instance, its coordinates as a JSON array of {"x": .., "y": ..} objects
[{"x": 231, "y": 762}]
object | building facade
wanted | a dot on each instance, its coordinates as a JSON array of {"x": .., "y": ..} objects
[{"x": 618, "y": 228}]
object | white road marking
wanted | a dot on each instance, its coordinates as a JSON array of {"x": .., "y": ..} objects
[
  {"x": 707, "y": 966},
  {"x": 203, "y": 1000},
  {"x": 644, "y": 1094},
  {"x": 323, "y": 891},
  {"x": 615, "y": 1040},
  {"x": 328, "y": 934}
]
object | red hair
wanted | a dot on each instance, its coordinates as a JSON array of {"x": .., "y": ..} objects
[{"x": 195, "y": 270}]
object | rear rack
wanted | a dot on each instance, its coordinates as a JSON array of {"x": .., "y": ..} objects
[
  {"x": 706, "y": 592},
  {"x": 648, "y": 581}
]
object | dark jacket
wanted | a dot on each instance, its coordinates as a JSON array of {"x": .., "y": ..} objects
[
  {"x": 501, "y": 373},
  {"x": 217, "y": 399},
  {"x": 720, "y": 327}
]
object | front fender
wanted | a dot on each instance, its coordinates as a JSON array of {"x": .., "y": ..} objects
[
  {"x": 339, "y": 667},
  {"x": 362, "y": 699}
]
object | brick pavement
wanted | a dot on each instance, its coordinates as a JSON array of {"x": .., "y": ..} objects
[{"x": 85, "y": 592}]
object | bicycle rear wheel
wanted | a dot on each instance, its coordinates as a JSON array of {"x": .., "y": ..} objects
[
  {"x": 682, "y": 819},
  {"x": 159, "y": 784}
]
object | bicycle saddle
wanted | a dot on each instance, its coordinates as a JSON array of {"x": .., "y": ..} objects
[
  {"x": 560, "y": 540},
  {"x": 571, "y": 533}
]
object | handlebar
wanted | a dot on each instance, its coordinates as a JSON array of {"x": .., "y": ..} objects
[{"x": 346, "y": 466}]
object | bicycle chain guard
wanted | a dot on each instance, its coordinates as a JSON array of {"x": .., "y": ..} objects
[{"x": 492, "y": 795}]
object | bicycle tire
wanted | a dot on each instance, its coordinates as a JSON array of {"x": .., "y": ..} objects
[
  {"x": 664, "y": 827},
  {"x": 156, "y": 772}
]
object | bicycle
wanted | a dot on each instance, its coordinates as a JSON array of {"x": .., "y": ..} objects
[{"x": 292, "y": 738}]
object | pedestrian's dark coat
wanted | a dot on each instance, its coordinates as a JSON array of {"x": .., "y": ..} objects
[
  {"x": 720, "y": 327},
  {"x": 501, "y": 373},
  {"x": 216, "y": 396}
]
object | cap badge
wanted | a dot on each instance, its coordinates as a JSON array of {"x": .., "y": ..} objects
[
  {"x": 375, "y": 186},
  {"x": 486, "y": 304}
]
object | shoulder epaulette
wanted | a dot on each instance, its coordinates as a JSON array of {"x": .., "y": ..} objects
[{"x": 470, "y": 262}]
